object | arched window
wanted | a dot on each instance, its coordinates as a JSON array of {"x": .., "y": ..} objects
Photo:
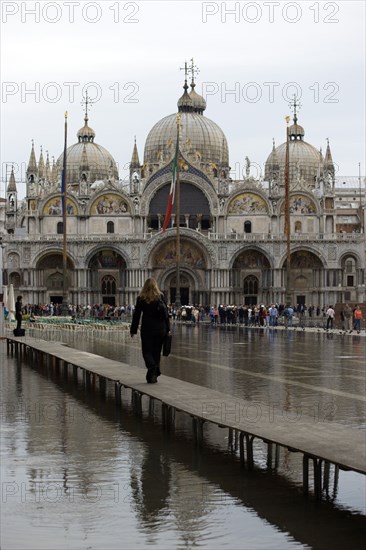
[
  {"x": 247, "y": 227},
  {"x": 349, "y": 265},
  {"x": 60, "y": 228},
  {"x": 108, "y": 285},
  {"x": 110, "y": 227},
  {"x": 250, "y": 285},
  {"x": 297, "y": 227}
]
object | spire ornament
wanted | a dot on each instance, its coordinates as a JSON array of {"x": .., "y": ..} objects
[
  {"x": 185, "y": 69},
  {"x": 194, "y": 70},
  {"x": 85, "y": 134},
  {"x": 293, "y": 105},
  {"x": 87, "y": 102},
  {"x": 185, "y": 102},
  {"x": 296, "y": 132}
]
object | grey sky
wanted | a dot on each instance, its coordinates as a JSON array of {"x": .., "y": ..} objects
[{"x": 132, "y": 51}]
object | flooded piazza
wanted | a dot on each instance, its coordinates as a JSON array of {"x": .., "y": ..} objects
[{"x": 79, "y": 473}]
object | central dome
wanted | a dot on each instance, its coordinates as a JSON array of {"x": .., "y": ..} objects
[{"x": 201, "y": 140}]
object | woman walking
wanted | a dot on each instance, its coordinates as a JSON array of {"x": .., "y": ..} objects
[{"x": 155, "y": 326}]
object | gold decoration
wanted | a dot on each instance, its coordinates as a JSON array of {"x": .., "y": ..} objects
[
  {"x": 248, "y": 203},
  {"x": 108, "y": 204}
]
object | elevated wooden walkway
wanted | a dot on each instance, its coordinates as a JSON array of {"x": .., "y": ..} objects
[{"x": 321, "y": 441}]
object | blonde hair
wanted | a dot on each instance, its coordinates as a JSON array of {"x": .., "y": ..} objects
[{"x": 150, "y": 292}]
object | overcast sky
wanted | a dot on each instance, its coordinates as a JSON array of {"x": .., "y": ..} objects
[{"x": 252, "y": 57}]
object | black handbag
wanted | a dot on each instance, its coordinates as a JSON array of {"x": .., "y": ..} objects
[{"x": 167, "y": 345}]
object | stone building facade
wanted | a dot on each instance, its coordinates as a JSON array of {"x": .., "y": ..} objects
[{"x": 232, "y": 233}]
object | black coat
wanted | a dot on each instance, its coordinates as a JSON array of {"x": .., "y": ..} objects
[
  {"x": 155, "y": 317},
  {"x": 18, "y": 309}
]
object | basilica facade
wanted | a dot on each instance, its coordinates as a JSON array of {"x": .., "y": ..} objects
[{"x": 232, "y": 233}]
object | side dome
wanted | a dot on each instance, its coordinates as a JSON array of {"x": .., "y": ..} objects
[
  {"x": 201, "y": 140},
  {"x": 89, "y": 158},
  {"x": 304, "y": 160}
]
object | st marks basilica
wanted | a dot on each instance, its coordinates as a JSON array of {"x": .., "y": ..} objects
[{"x": 232, "y": 237}]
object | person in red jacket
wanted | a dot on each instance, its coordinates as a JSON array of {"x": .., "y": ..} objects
[{"x": 357, "y": 316}]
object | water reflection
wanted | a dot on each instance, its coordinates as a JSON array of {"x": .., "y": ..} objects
[
  {"x": 150, "y": 485},
  {"x": 96, "y": 478}
]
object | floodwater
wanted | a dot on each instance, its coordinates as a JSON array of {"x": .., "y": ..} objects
[{"x": 78, "y": 473}]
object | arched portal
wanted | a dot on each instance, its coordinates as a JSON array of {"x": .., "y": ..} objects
[
  {"x": 251, "y": 277},
  {"x": 192, "y": 267},
  {"x": 107, "y": 272},
  {"x": 51, "y": 276},
  {"x": 306, "y": 272},
  {"x": 187, "y": 289}
]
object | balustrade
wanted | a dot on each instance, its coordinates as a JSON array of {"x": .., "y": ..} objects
[{"x": 256, "y": 237}]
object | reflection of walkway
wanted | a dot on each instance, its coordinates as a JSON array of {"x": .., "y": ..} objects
[
  {"x": 268, "y": 497},
  {"x": 322, "y": 441}
]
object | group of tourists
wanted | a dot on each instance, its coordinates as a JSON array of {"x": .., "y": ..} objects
[
  {"x": 258, "y": 315},
  {"x": 99, "y": 311},
  {"x": 247, "y": 315},
  {"x": 351, "y": 318}
]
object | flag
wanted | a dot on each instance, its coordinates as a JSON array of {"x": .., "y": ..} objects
[{"x": 172, "y": 187}]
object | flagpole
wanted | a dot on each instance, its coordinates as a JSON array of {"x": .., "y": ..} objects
[
  {"x": 287, "y": 219},
  {"x": 177, "y": 222},
  {"x": 65, "y": 306}
]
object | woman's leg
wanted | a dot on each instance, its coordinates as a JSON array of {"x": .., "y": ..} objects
[
  {"x": 147, "y": 343},
  {"x": 157, "y": 347},
  {"x": 151, "y": 352}
]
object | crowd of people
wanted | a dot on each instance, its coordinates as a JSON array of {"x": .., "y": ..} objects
[
  {"x": 258, "y": 315},
  {"x": 247, "y": 315},
  {"x": 99, "y": 311},
  {"x": 261, "y": 315}
]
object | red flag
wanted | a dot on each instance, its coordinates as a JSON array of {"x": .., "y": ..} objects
[{"x": 172, "y": 188}]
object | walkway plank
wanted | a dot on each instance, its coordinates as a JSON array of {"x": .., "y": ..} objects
[{"x": 318, "y": 438}]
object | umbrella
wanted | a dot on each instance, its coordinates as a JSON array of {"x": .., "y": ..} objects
[{"x": 11, "y": 303}]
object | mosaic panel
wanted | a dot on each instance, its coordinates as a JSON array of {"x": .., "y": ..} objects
[
  {"x": 108, "y": 204},
  {"x": 251, "y": 259},
  {"x": 189, "y": 253},
  {"x": 53, "y": 207},
  {"x": 248, "y": 203},
  {"x": 300, "y": 204}
]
